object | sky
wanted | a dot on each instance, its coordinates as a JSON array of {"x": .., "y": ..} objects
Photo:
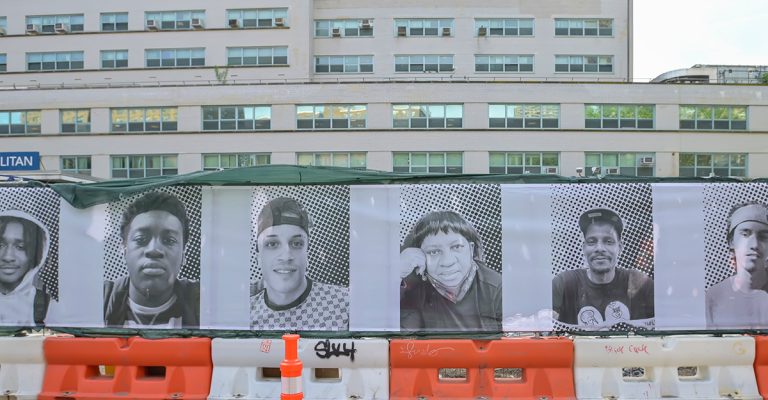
[{"x": 674, "y": 34}]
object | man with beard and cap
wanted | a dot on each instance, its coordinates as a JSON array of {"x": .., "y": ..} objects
[
  {"x": 155, "y": 232},
  {"x": 603, "y": 294},
  {"x": 445, "y": 283},
  {"x": 23, "y": 252},
  {"x": 288, "y": 298},
  {"x": 741, "y": 300}
]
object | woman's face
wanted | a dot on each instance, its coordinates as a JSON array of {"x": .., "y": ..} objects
[{"x": 449, "y": 257}]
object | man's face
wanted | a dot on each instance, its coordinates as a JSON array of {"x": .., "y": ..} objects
[
  {"x": 14, "y": 261},
  {"x": 154, "y": 251},
  {"x": 283, "y": 253},
  {"x": 602, "y": 247},
  {"x": 449, "y": 257},
  {"x": 750, "y": 246}
]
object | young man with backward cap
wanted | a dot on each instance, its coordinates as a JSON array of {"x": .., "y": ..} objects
[
  {"x": 602, "y": 294},
  {"x": 289, "y": 299},
  {"x": 741, "y": 300}
]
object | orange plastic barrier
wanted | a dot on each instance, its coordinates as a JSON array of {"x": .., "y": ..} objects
[
  {"x": 471, "y": 369},
  {"x": 761, "y": 365},
  {"x": 82, "y": 368}
]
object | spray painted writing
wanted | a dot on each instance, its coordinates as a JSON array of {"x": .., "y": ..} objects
[
  {"x": 326, "y": 349},
  {"x": 632, "y": 348},
  {"x": 411, "y": 351}
]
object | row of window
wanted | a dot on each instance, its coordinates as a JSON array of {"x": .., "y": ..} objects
[
  {"x": 339, "y": 64},
  {"x": 278, "y": 17},
  {"x": 628, "y": 164},
  {"x": 404, "y": 116}
]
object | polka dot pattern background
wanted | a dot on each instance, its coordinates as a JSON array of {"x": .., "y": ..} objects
[
  {"x": 633, "y": 202},
  {"x": 43, "y": 204},
  {"x": 328, "y": 209},
  {"x": 114, "y": 258},
  {"x": 480, "y": 205},
  {"x": 718, "y": 200}
]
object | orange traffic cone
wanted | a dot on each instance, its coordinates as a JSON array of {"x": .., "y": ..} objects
[{"x": 290, "y": 370}]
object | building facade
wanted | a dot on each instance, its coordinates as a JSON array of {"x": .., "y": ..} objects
[{"x": 141, "y": 89}]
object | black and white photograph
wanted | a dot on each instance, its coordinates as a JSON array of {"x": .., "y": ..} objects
[
  {"x": 300, "y": 258},
  {"x": 450, "y": 258},
  {"x": 602, "y": 257},
  {"x": 29, "y": 219},
  {"x": 152, "y": 260},
  {"x": 736, "y": 247}
]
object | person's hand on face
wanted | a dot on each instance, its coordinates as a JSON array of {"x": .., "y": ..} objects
[{"x": 410, "y": 259}]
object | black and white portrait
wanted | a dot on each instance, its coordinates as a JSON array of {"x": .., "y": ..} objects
[
  {"x": 29, "y": 219},
  {"x": 736, "y": 248},
  {"x": 450, "y": 258},
  {"x": 602, "y": 257},
  {"x": 300, "y": 254},
  {"x": 152, "y": 260}
]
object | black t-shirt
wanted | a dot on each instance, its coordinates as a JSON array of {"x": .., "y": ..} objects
[{"x": 627, "y": 299}]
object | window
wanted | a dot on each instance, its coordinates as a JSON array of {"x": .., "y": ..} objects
[
  {"x": 424, "y": 27},
  {"x": 336, "y": 116},
  {"x": 337, "y": 159},
  {"x": 583, "y": 27},
  {"x": 258, "y": 18},
  {"x": 76, "y": 120},
  {"x": 343, "y": 64},
  {"x": 114, "y": 21},
  {"x": 343, "y": 28},
  {"x": 3, "y": 24},
  {"x": 429, "y": 116},
  {"x": 257, "y": 56},
  {"x": 172, "y": 58},
  {"x": 718, "y": 164},
  {"x": 424, "y": 63},
  {"x": 583, "y": 63},
  {"x": 615, "y": 116},
  {"x": 151, "y": 119},
  {"x": 174, "y": 20},
  {"x": 111, "y": 59},
  {"x": 431, "y": 163},
  {"x": 212, "y": 162},
  {"x": 142, "y": 166},
  {"x": 55, "y": 61},
  {"x": 504, "y": 63},
  {"x": 47, "y": 23},
  {"x": 19, "y": 122},
  {"x": 523, "y": 116},
  {"x": 236, "y": 118},
  {"x": 3, "y": 62},
  {"x": 629, "y": 164},
  {"x": 713, "y": 117},
  {"x": 504, "y": 27},
  {"x": 524, "y": 163},
  {"x": 76, "y": 165}
]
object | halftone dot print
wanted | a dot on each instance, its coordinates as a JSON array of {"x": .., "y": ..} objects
[
  {"x": 43, "y": 204},
  {"x": 114, "y": 255},
  {"x": 719, "y": 198},
  {"x": 328, "y": 209},
  {"x": 480, "y": 205},
  {"x": 633, "y": 202}
]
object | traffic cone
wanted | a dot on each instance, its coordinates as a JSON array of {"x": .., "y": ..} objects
[{"x": 290, "y": 370}]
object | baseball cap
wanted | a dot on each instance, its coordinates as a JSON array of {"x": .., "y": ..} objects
[
  {"x": 748, "y": 212},
  {"x": 602, "y": 215},
  {"x": 283, "y": 211}
]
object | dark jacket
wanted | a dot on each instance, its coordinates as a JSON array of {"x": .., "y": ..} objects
[{"x": 116, "y": 307}]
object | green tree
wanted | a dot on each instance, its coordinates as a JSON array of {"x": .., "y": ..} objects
[{"x": 764, "y": 78}]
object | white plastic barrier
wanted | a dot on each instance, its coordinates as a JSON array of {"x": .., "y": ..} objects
[
  {"x": 22, "y": 367},
  {"x": 685, "y": 367},
  {"x": 333, "y": 368}
]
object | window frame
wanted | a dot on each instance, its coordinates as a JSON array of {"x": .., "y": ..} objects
[
  {"x": 236, "y": 123},
  {"x": 276, "y": 12},
  {"x": 55, "y": 61},
  {"x": 621, "y": 157},
  {"x": 307, "y": 117},
  {"x": 257, "y": 159},
  {"x": 527, "y": 166},
  {"x": 524, "y": 116},
  {"x": 194, "y": 60},
  {"x": 427, "y": 167},
  {"x": 258, "y": 57},
  {"x": 412, "y": 26},
  {"x": 180, "y": 19},
  {"x": 346, "y": 62},
  {"x": 425, "y": 118},
  {"x": 114, "y": 58},
  {"x": 317, "y": 159},
  {"x": 22, "y": 125},
  {"x": 585, "y": 64},
  {"x": 425, "y": 61},
  {"x": 507, "y": 60},
  {"x": 119, "y": 21},
  {"x": 129, "y": 158},
  {"x": 572, "y": 27},
  {"x": 170, "y": 125},
  {"x": 76, "y": 161},
  {"x": 736, "y": 162},
  {"x": 610, "y": 119},
  {"x": 3, "y": 62},
  {"x": 348, "y": 28},
  {"x": 76, "y": 125},
  {"x": 47, "y": 23},
  {"x": 713, "y": 123},
  {"x": 505, "y": 27}
]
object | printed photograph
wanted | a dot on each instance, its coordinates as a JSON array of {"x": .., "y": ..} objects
[
  {"x": 152, "y": 260},
  {"x": 603, "y": 257},
  {"x": 300, "y": 258},
  {"x": 450, "y": 258}
]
